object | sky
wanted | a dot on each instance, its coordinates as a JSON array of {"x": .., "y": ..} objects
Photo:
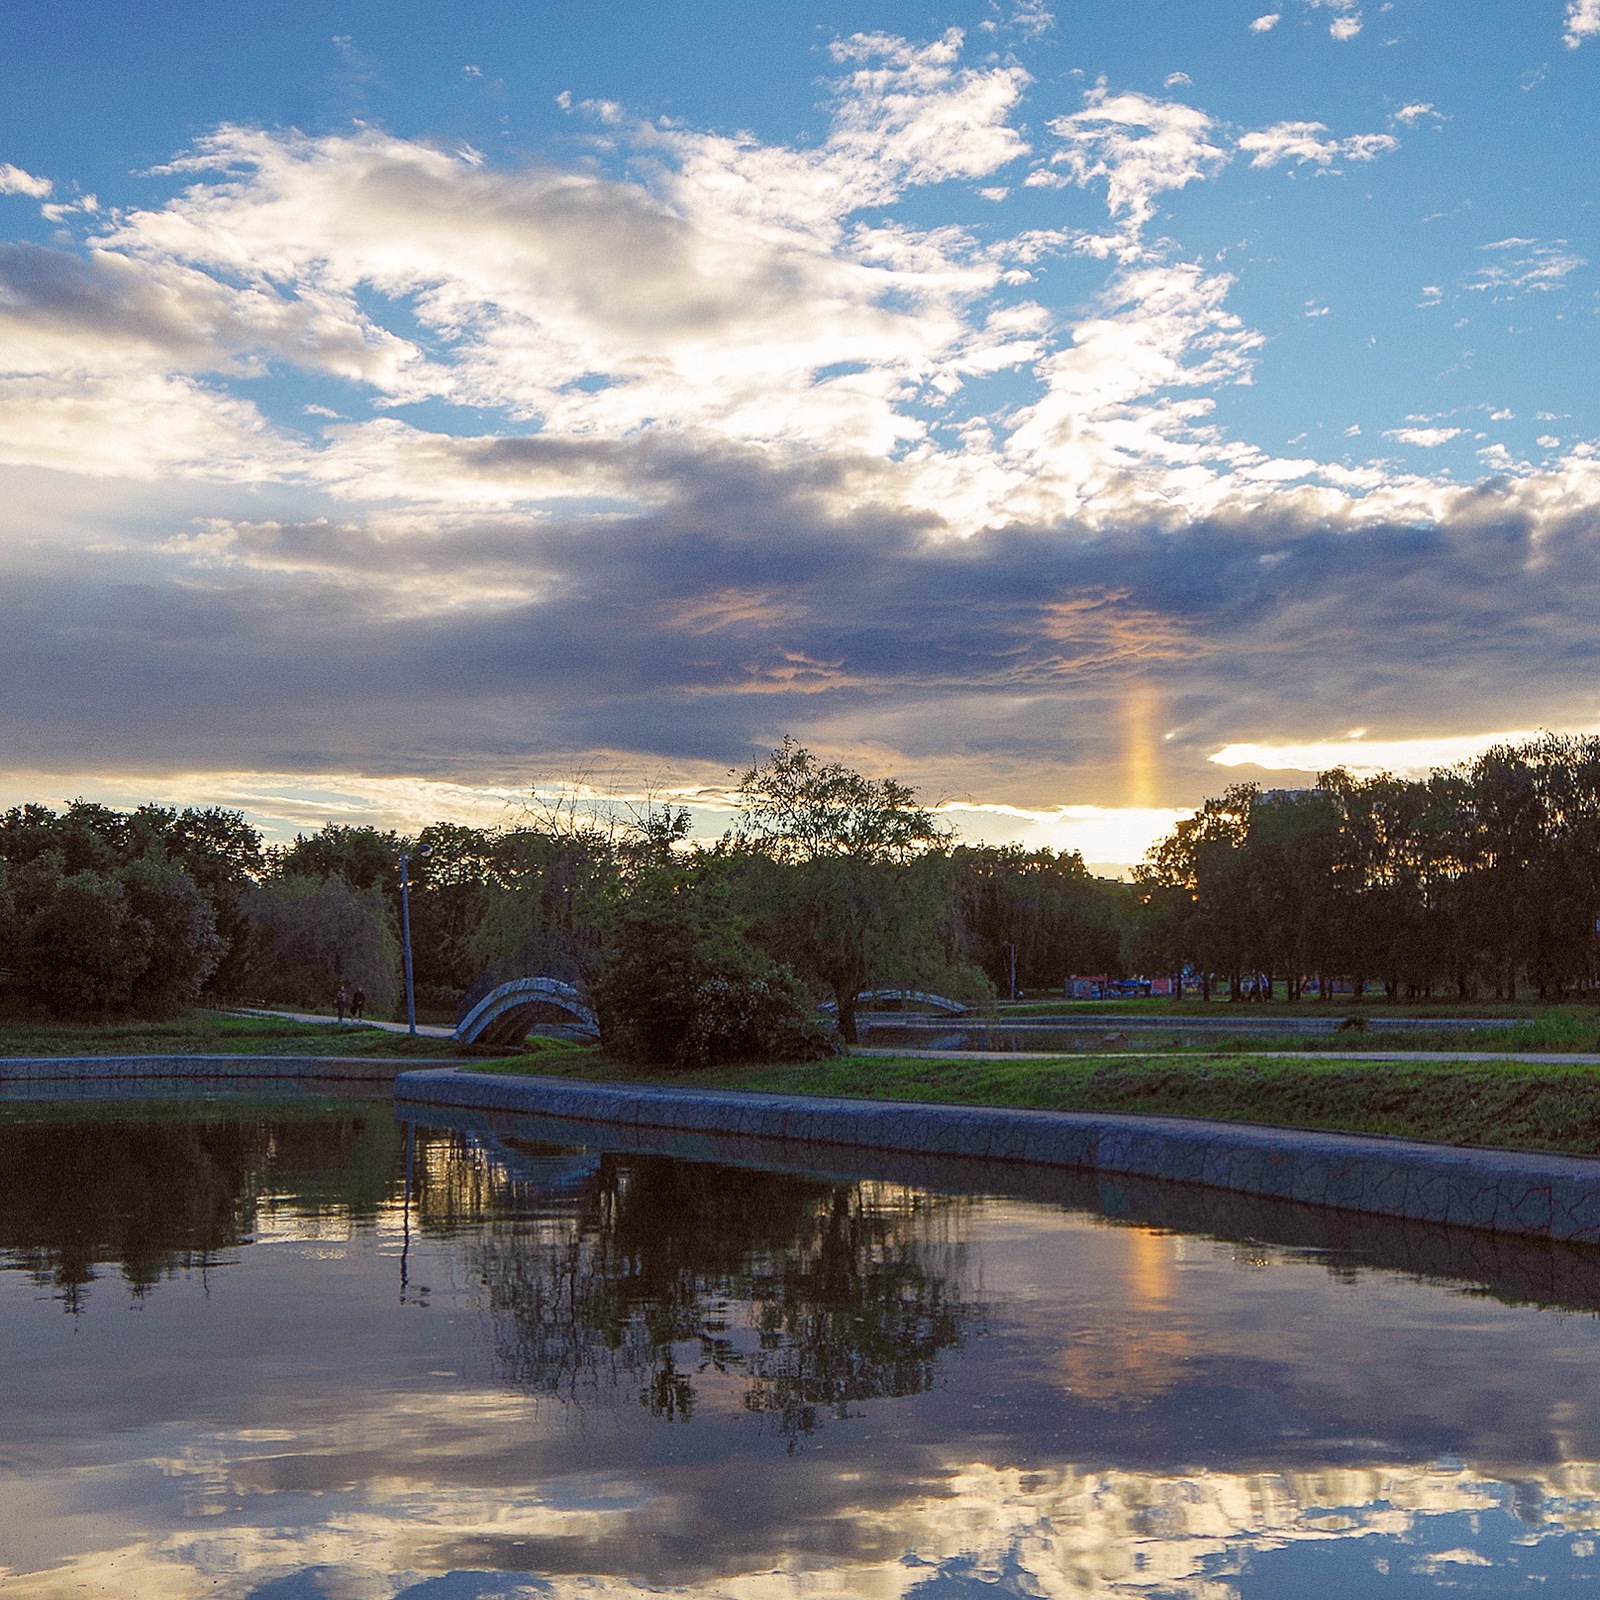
[{"x": 1067, "y": 409}]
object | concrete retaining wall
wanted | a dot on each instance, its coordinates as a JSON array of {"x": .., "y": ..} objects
[{"x": 1537, "y": 1196}]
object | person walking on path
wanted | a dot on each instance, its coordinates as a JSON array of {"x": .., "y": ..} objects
[
  {"x": 341, "y": 1000},
  {"x": 358, "y": 1005}
]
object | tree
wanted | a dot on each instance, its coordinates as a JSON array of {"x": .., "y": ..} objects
[
  {"x": 845, "y": 878},
  {"x": 794, "y": 807},
  {"x": 1034, "y": 916},
  {"x": 323, "y": 932}
]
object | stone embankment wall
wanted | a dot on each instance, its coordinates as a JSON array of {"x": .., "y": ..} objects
[{"x": 1537, "y": 1196}]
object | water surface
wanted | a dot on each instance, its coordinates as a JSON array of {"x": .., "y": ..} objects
[{"x": 282, "y": 1349}]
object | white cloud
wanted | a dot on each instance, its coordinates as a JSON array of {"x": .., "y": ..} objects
[
  {"x": 1266, "y": 23},
  {"x": 1427, "y": 438},
  {"x": 13, "y": 180},
  {"x": 1525, "y": 266},
  {"x": 1176, "y": 80},
  {"x": 1347, "y": 24},
  {"x": 1303, "y": 143},
  {"x": 1583, "y": 21},
  {"x": 1403, "y": 757},
  {"x": 1140, "y": 146},
  {"x": 141, "y": 427}
]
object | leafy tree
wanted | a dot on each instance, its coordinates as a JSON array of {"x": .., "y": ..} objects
[
  {"x": 364, "y": 857},
  {"x": 323, "y": 932},
  {"x": 831, "y": 881},
  {"x": 1035, "y": 915},
  {"x": 796, "y": 808}
]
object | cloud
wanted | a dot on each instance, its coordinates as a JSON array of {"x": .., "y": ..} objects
[
  {"x": 1427, "y": 438},
  {"x": 1524, "y": 266},
  {"x": 1363, "y": 756},
  {"x": 1266, "y": 23},
  {"x": 1303, "y": 143},
  {"x": 1582, "y": 22},
  {"x": 141, "y": 427},
  {"x": 714, "y": 452},
  {"x": 13, "y": 180},
  {"x": 110, "y": 312},
  {"x": 1141, "y": 147},
  {"x": 1419, "y": 109},
  {"x": 1347, "y": 23}
]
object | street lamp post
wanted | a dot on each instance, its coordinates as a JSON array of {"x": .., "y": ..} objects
[{"x": 405, "y": 935}]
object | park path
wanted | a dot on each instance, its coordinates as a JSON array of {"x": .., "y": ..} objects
[{"x": 427, "y": 1030}]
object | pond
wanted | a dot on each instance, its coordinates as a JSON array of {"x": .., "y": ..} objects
[{"x": 290, "y": 1349}]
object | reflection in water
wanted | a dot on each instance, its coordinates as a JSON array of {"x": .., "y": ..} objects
[
  {"x": 150, "y": 1194},
  {"x": 616, "y": 1373},
  {"x": 663, "y": 1274}
]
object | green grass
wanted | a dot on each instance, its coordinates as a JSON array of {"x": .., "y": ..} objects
[
  {"x": 1480, "y": 1102},
  {"x": 204, "y": 1033}
]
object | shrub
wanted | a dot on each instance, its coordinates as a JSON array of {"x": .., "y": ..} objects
[{"x": 677, "y": 992}]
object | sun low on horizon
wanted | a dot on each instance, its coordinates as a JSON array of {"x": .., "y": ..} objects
[{"x": 1069, "y": 410}]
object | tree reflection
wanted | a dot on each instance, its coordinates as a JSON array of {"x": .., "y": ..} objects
[
  {"x": 664, "y": 1277},
  {"x": 151, "y": 1195}
]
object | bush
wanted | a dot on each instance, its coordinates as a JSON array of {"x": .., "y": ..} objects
[{"x": 675, "y": 991}]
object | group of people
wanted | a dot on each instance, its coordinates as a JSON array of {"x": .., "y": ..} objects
[{"x": 353, "y": 1001}]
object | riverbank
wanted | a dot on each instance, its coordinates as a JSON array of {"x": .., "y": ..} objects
[
  {"x": 1478, "y": 1102},
  {"x": 1530, "y": 1193},
  {"x": 205, "y": 1033}
]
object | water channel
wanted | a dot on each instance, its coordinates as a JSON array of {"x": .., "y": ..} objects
[{"x": 288, "y": 1348}]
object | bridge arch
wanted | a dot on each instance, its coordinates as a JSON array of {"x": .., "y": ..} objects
[
  {"x": 506, "y": 1013},
  {"x": 906, "y": 997}
]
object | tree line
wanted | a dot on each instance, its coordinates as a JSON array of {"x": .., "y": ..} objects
[
  {"x": 1476, "y": 880},
  {"x": 829, "y": 882}
]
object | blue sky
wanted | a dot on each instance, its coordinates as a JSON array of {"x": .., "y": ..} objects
[{"x": 1068, "y": 410}]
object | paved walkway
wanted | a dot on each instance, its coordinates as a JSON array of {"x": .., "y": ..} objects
[{"x": 427, "y": 1030}]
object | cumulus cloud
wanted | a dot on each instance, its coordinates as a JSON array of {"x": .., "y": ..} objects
[
  {"x": 1416, "y": 111},
  {"x": 1267, "y": 22},
  {"x": 13, "y": 180},
  {"x": 1305, "y": 143},
  {"x": 1582, "y": 22},
  {"x": 1524, "y": 266}
]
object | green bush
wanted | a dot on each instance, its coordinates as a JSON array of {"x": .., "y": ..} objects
[
  {"x": 139, "y": 938},
  {"x": 678, "y": 991}
]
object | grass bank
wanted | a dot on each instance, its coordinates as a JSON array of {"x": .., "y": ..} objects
[
  {"x": 209, "y": 1033},
  {"x": 1342, "y": 1006},
  {"x": 1508, "y": 1104}
]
